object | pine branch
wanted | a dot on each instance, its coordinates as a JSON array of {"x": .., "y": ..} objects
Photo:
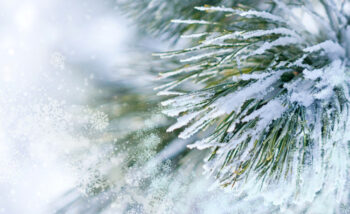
[
  {"x": 155, "y": 16},
  {"x": 271, "y": 90}
]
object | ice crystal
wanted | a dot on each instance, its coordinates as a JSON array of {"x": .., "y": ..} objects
[{"x": 57, "y": 60}]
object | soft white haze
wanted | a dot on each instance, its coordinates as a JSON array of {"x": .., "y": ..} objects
[{"x": 44, "y": 46}]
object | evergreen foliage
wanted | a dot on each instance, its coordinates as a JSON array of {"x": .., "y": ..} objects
[
  {"x": 155, "y": 16},
  {"x": 262, "y": 85},
  {"x": 272, "y": 92}
]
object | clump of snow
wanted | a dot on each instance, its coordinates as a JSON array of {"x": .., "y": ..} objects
[
  {"x": 269, "y": 112},
  {"x": 282, "y": 41},
  {"x": 333, "y": 50}
]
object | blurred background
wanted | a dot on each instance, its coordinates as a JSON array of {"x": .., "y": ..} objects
[{"x": 59, "y": 58}]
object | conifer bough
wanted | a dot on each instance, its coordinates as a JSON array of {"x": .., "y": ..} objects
[{"x": 273, "y": 87}]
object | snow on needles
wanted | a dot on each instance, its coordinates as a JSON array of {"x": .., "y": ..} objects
[{"x": 268, "y": 94}]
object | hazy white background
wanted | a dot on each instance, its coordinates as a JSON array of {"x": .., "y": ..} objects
[{"x": 51, "y": 52}]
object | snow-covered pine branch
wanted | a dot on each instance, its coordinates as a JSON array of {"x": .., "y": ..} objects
[{"x": 273, "y": 93}]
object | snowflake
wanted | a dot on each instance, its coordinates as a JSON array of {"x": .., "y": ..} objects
[{"x": 57, "y": 60}]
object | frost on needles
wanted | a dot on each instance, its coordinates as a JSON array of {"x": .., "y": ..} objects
[{"x": 272, "y": 101}]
